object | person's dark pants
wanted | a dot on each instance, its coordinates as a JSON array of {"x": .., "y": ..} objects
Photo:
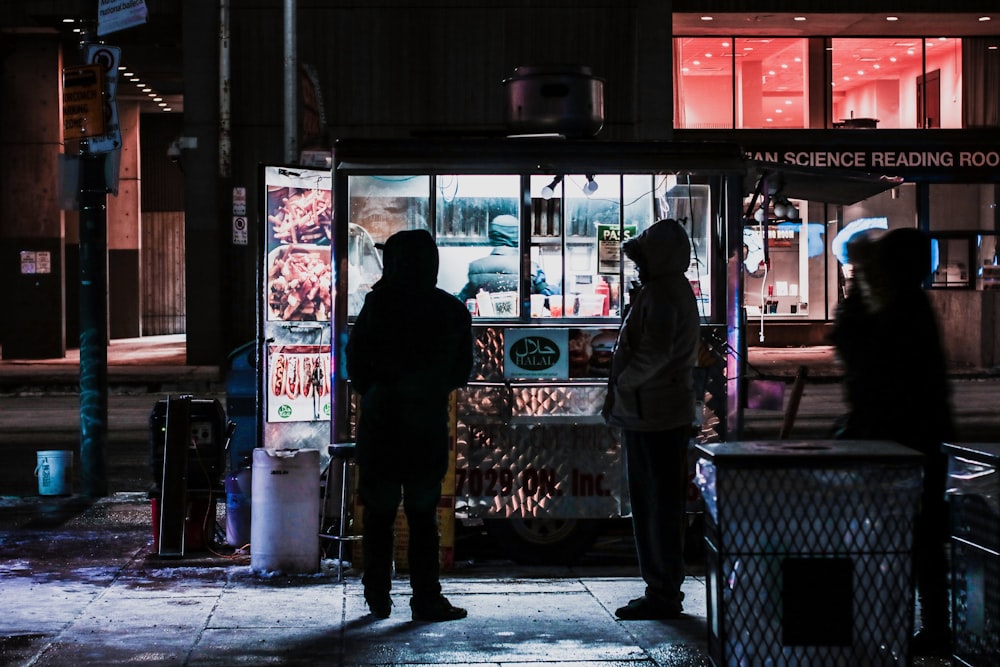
[
  {"x": 658, "y": 482},
  {"x": 381, "y": 495}
]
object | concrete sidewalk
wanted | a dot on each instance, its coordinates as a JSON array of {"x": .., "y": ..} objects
[{"x": 91, "y": 592}]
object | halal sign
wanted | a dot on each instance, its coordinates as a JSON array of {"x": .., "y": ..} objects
[{"x": 531, "y": 353}]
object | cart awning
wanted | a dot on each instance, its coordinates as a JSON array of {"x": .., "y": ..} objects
[{"x": 830, "y": 185}]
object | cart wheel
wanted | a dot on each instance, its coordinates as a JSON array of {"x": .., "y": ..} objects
[{"x": 543, "y": 541}]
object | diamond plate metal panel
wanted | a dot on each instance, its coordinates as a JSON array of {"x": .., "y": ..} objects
[{"x": 539, "y": 470}]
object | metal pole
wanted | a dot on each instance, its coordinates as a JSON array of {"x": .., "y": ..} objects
[
  {"x": 291, "y": 89},
  {"x": 225, "y": 137},
  {"x": 93, "y": 325}
]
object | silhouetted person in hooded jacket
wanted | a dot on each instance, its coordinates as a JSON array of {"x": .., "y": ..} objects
[
  {"x": 410, "y": 347},
  {"x": 651, "y": 397},
  {"x": 896, "y": 387}
]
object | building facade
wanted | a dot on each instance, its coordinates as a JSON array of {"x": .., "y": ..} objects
[{"x": 818, "y": 84}]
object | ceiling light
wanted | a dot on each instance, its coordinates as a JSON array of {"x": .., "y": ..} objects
[
  {"x": 799, "y": 18},
  {"x": 146, "y": 90},
  {"x": 891, "y": 18},
  {"x": 590, "y": 187},
  {"x": 549, "y": 191},
  {"x": 984, "y": 18},
  {"x": 706, "y": 18}
]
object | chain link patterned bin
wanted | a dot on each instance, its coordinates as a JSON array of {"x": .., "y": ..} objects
[
  {"x": 808, "y": 551},
  {"x": 974, "y": 498}
]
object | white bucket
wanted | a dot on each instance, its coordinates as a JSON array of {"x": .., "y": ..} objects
[
  {"x": 54, "y": 471},
  {"x": 284, "y": 511}
]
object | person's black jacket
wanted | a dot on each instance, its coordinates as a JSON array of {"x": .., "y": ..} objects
[{"x": 410, "y": 347}]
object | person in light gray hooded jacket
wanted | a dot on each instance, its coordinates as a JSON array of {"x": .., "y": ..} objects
[{"x": 651, "y": 397}]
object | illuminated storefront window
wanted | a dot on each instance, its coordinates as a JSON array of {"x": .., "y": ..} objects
[
  {"x": 885, "y": 83},
  {"x": 765, "y": 82},
  {"x": 704, "y": 83}
]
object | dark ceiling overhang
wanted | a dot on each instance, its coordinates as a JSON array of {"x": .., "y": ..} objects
[{"x": 821, "y": 184}]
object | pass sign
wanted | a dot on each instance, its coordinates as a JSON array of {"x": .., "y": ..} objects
[{"x": 83, "y": 101}]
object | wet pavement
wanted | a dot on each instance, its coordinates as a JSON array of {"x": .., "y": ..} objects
[
  {"x": 81, "y": 584},
  {"x": 91, "y": 591}
]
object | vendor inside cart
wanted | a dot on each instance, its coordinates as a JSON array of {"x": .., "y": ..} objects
[{"x": 500, "y": 270}]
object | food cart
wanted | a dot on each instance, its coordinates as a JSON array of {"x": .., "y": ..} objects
[{"x": 535, "y": 461}]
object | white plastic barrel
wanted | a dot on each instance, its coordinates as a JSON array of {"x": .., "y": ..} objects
[
  {"x": 284, "y": 509},
  {"x": 54, "y": 471}
]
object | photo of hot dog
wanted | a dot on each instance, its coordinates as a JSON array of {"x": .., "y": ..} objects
[
  {"x": 306, "y": 381},
  {"x": 278, "y": 375},
  {"x": 291, "y": 376},
  {"x": 298, "y": 383}
]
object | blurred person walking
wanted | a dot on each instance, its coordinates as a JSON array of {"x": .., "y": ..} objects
[
  {"x": 410, "y": 347},
  {"x": 896, "y": 387},
  {"x": 651, "y": 397}
]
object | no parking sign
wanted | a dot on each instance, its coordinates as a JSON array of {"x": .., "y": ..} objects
[{"x": 239, "y": 230}]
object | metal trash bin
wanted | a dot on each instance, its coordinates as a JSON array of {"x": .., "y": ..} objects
[
  {"x": 808, "y": 551},
  {"x": 973, "y": 491}
]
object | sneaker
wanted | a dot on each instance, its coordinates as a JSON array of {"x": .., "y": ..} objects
[
  {"x": 644, "y": 609},
  {"x": 931, "y": 643},
  {"x": 436, "y": 609},
  {"x": 380, "y": 604}
]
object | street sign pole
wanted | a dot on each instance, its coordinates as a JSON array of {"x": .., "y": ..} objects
[{"x": 93, "y": 325}]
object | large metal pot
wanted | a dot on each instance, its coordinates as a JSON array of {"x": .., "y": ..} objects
[{"x": 562, "y": 99}]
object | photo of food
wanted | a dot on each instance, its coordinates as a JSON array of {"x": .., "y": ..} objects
[
  {"x": 299, "y": 215},
  {"x": 298, "y": 387},
  {"x": 299, "y": 284}
]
